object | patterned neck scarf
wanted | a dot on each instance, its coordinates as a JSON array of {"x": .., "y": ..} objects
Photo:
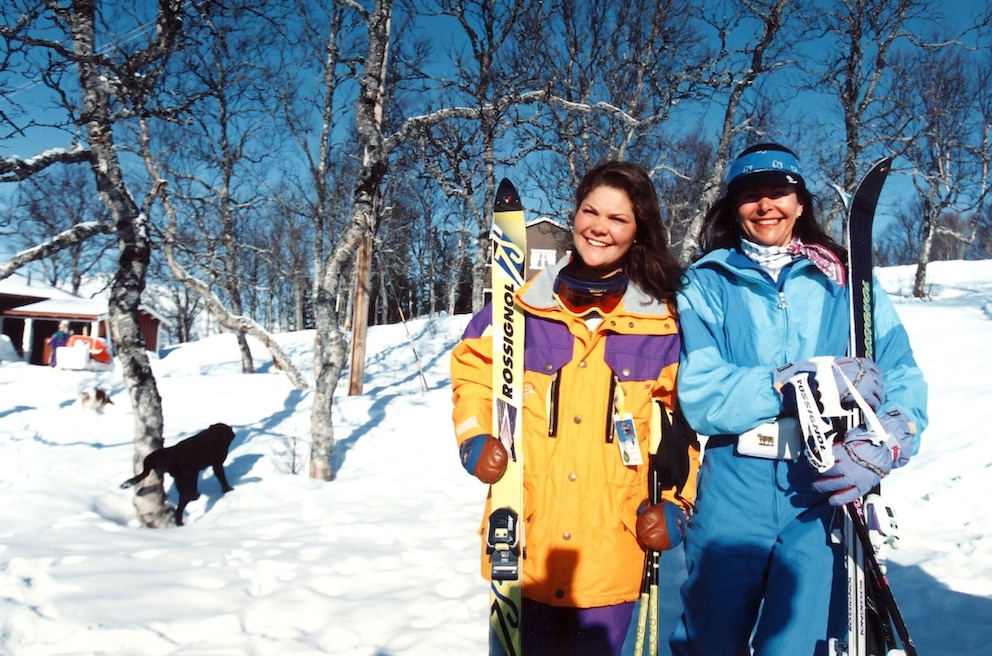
[
  {"x": 770, "y": 258},
  {"x": 773, "y": 258},
  {"x": 824, "y": 259}
]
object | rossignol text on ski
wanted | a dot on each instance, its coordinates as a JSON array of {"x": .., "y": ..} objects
[{"x": 505, "y": 540}]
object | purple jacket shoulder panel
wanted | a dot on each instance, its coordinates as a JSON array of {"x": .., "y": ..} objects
[
  {"x": 548, "y": 345},
  {"x": 478, "y": 324},
  {"x": 641, "y": 357}
]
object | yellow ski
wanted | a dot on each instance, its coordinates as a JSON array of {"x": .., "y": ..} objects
[{"x": 505, "y": 533}]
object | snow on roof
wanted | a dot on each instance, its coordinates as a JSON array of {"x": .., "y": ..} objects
[
  {"x": 547, "y": 219},
  {"x": 17, "y": 284},
  {"x": 70, "y": 308},
  {"x": 56, "y": 303}
]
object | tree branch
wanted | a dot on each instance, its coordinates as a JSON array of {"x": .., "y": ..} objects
[
  {"x": 15, "y": 169},
  {"x": 74, "y": 235}
]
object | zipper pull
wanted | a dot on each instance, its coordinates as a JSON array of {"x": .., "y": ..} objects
[{"x": 781, "y": 301}]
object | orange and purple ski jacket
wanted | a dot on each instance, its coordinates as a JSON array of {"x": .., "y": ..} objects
[{"x": 580, "y": 500}]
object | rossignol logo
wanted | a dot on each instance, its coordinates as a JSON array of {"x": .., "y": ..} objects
[
  {"x": 509, "y": 258},
  {"x": 508, "y": 352},
  {"x": 868, "y": 328}
]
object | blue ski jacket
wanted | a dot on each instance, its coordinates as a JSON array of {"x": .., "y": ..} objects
[
  {"x": 738, "y": 325},
  {"x": 759, "y": 532}
]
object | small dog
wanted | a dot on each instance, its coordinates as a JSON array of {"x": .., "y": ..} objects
[
  {"x": 186, "y": 459},
  {"x": 94, "y": 399}
]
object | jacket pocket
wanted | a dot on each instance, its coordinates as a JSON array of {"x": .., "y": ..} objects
[{"x": 641, "y": 357}]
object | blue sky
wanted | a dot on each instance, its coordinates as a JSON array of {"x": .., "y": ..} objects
[{"x": 35, "y": 99}]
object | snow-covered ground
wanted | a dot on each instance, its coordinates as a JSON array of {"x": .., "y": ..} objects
[{"x": 385, "y": 559}]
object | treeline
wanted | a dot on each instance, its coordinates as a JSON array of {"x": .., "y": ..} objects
[
  {"x": 536, "y": 91},
  {"x": 255, "y": 158}
]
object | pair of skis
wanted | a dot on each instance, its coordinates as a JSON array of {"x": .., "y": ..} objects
[{"x": 874, "y": 618}]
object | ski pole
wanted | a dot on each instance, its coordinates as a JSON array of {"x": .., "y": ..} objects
[
  {"x": 647, "y": 616},
  {"x": 642, "y": 613},
  {"x": 653, "y": 587}
]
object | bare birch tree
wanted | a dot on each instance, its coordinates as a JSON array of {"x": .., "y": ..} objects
[
  {"x": 853, "y": 71},
  {"x": 218, "y": 157},
  {"x": 461, "y": 156},
  {"x": 943, "y": 98},
  {"x": 378, "y": 142},
  {"x": 109, "y": 85},
  {"x": 610, "y": 97},
  {"x": 735, "y": 74},
  {"x": 237, "y": 323},
  {"x": 50, "y": 203},
  {"x": 331, "y": 346}
]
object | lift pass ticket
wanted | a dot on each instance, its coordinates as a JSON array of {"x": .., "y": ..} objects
[{"x": 630, "y": 451}]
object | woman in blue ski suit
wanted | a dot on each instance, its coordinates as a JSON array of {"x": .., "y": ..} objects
[{"x": 768, "y": 295}]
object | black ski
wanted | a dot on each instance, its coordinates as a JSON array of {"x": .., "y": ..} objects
[
  {"x": 872, "y": 608},
  {"x": 860, "y": 259}
]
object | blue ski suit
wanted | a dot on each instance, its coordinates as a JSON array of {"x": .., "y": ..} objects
[{"x": 757, "y": 550}]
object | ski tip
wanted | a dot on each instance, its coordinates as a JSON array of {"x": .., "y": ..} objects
[
  {"x": 883, "y": 164},
  {"x": 869, "y": 189},
  {"x": 507, "y": 198}
]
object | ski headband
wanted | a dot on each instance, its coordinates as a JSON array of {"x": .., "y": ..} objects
[{"x": 763, "y": 167}]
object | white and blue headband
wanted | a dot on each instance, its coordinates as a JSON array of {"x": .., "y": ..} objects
[{"x": 769, "y": 166}]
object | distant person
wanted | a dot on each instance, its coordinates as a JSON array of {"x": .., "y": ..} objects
[
  {"x": 59, "y": 338},
  {"x": 768, "y": 294},
  {"x": 601, "y": 350}
]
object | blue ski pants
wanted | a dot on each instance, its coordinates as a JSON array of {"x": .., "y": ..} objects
[{"x": 761, "y": 569}]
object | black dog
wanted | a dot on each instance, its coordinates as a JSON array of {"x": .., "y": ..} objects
[{"x": 186, "y": 459}]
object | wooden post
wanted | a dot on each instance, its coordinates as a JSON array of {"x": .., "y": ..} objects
[{"x": 360, "y": 316}]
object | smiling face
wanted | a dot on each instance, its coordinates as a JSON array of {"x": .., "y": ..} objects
[
  {"x": 768, "y": 214},
  {"x": 605, "y": 227}
]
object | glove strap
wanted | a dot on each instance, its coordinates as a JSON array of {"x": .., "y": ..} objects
[
  {"x": 818, "y": 434},
  {"x": 876, "y": 434},
  {"x": 829, "y": 395}
]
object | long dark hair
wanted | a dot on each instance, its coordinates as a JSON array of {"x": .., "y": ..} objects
[
  {"x": 649, "y": 262},
  {"x": 721, "y": 227}
]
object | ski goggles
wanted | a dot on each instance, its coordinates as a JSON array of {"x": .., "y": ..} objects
[{"x": 582, "y": 297}]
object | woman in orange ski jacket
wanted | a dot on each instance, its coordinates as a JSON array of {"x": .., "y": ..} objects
[{"x": 601, "y": 352}]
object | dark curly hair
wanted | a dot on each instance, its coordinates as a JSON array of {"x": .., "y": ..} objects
[{"x": 649, "y": 262}]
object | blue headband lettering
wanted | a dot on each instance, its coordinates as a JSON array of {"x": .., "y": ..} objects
[{"x": 767, "y": 161}]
